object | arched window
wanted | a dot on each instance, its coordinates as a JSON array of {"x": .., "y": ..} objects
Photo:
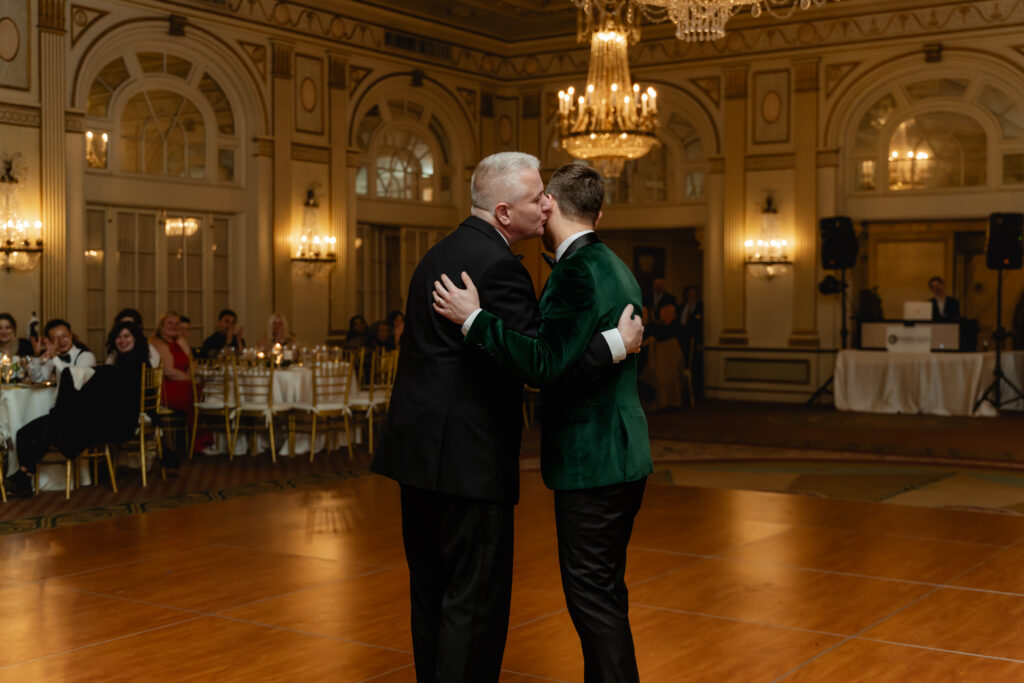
[
  {"x": 405, "y": 152},
  {"x": 160, "y": 130},
  {"x": 936, "y": 150},
  {"x": 936, "y": 134},
  {"x": 162, "y": 133},
  {"x": 648, "y": 180}
]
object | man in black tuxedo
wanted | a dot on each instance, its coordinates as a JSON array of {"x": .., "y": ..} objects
[
  {"x": 454, "y": 427},
  {"x": 945, "y": 309},
  {"x": 657, "y": 297}
]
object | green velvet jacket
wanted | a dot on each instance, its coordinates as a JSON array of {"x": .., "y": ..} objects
[{"x": 594, "y": 429}]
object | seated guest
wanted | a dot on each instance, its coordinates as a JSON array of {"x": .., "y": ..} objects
[
  {"x": 945, "y": 309},
  {"x": 104, "y": 410},
  {"x": 396, "y": 322},
  {"x": 225, "y": 336},
  {"x": 380, "y": 337},
  {"x": 356, "y": 335},
  {"x": 277, "y": 333},
  {"x": 176, "y": 358},
  {"x": 130, "y": 315},
  {"x": 60, "y": 349},
  {"x": 664, "y": 326},
  {"x": 10, "y": 344}
]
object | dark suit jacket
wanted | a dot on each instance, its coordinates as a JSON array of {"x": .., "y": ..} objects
[
  {"x": 455, "y": 421},
  {"x": 951, "y": 314},
  {"x": 648, "y": 301}
]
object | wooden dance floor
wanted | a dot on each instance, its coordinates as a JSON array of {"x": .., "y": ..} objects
[{"x": 310, "y": 585}]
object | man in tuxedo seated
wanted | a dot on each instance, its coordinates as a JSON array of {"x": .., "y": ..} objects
[
  {"x": 945, "y": 309},
  {"x": 654, "y": 299},
  {"x": 60, "y": 349}
]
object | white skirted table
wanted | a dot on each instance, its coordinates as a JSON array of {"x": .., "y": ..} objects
[
  {"x": 19, "y": 405},
  {"x": 929, "y": 383}
]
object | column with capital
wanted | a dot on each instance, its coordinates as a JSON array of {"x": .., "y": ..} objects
[
  {"x": 804, "y": 249},
  {"x": 261, "y": 251},
  {"x": 52, "y": 157},
  {"x": 342, "y": 199},
  {"x": 733, "y": 292},
  {"x": 281, "y": 68}
]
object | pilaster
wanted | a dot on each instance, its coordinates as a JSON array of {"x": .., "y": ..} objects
[
  {"x": 734, "y": 207},
  {"x": 805, "y": 209},
  {"x": 52, "y": 158}
]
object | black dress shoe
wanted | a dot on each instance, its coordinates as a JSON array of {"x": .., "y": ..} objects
[{"x": 19, "y": 485}]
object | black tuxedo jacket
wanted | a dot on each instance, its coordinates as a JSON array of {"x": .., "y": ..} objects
[
  {"x": 455, "y": 421},
  {"x": 950, "y": 314}
]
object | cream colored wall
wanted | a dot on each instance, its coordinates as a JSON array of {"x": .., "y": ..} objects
[{"x": 837, "y": 59}]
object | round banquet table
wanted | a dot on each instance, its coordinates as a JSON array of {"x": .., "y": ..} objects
[{"x": 19, "y": 405}]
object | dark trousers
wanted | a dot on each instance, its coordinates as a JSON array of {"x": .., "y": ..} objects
[
  {"x": 594, "y": 526},
  {"x": 34, "y": 440},
  {"x": 459, "y": 552}
]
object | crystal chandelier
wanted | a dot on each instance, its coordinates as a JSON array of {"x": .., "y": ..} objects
[
  {"x": 21, "y": 241},
  {"x": 611, "y": 121},
  {"x": 704, "y": 20}
]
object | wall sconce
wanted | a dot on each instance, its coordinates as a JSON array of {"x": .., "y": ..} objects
[
  {"x": 94, "y": 255},
  {"x": 176, "y": 226},
  {"x": 769, "y": 254},
  {"x": 21, "y": 240},
  {"x": 314, "y": 252},
  {"x": 96, "y": 148}
]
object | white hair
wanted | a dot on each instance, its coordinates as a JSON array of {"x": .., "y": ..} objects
[{"x": 496, "y": 179}]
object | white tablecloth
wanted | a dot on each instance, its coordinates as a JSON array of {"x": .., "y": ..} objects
[
  {"x": 931, "y": 383},
  {"x": 19, "y": 405}
]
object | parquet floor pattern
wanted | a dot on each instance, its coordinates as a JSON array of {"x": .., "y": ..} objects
[{"x": 311, "y": 585}]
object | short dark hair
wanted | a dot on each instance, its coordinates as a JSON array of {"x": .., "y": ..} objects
[
  {"x": 129, "y": 313},
  {"x": 186, "y": 319},
  {"x": 936, "y": 279},
  {"x": 55, "y": 323},
  {"x": 227, "y": 311},
  {"x": 579, "y": 191}
]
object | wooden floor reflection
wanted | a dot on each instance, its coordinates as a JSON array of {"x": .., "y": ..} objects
[{"x": 311, "y": 585}]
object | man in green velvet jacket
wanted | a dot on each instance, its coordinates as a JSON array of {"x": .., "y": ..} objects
[{"x": 595, "y": 450}]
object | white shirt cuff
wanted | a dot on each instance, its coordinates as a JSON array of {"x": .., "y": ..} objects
[
  {"x": 615, "y": 344},
  {"x": 472, "y": 316}
]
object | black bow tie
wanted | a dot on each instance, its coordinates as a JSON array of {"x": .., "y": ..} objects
[
  {"x": 66, "y": 357},
  {"x": 548, "y": 260}
]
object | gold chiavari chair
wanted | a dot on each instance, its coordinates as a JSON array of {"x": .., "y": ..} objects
[
  {"x": 93, "y": 456},
  {"x": 330, "y": 412},
  {"x": 254, "y": 402},
  {"x": 687, "y": 372},
  {"x": 370, "y": 404},
  {"x": 355, "y": 357},
  {"x": 149, "y": 429},
  {"x": 212, "y": 399}
]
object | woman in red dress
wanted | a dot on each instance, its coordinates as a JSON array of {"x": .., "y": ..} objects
[{"x": 176, "y": 359}]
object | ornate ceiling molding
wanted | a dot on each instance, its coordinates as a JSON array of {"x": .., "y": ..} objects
[{"x": 820, "y": 29}]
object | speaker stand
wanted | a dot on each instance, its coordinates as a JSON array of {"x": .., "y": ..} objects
[
  {"x": 992, "y": 394},
  {"x": 826, "y": 388}
]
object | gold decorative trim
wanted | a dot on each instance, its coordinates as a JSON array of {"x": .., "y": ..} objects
[
  {"x": 734, "y": 338},
  {"x": 736, "y": 82},
  {"x": 716, "y": 164},
  {"x": 769, "y": 162},
  {"x": 257, "y": 54},
  {"x": 710, "y": 86},
  {"x": 356, "y": 75},
  {"x": 805, "y": 74},
  {"x": 18, "y": 115},
  {"x": 74, "y": 122},
  {"x": 352, "y": 157},
  {"x": 264, "y": 147},
  {"x": 337, "y": 72},
  {"x": 82, "y": 18},
  {"x": 311, "y": 153},
  {"x": 281, "y": 60},
  {"x": 828, "y": 158},
  {"x": 804, "y": 339},
  {"x": 51, "y": 15},
  {"x": 836, "y": 74}
]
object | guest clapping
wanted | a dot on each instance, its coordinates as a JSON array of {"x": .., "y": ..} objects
[
  {"x": 104, "y": 410},
  {"x": 10, "y": 344}
]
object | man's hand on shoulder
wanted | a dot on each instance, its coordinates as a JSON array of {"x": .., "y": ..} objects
[
  {"x": 632, "y": 329},
  {"x": 454, "y": 303}
]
